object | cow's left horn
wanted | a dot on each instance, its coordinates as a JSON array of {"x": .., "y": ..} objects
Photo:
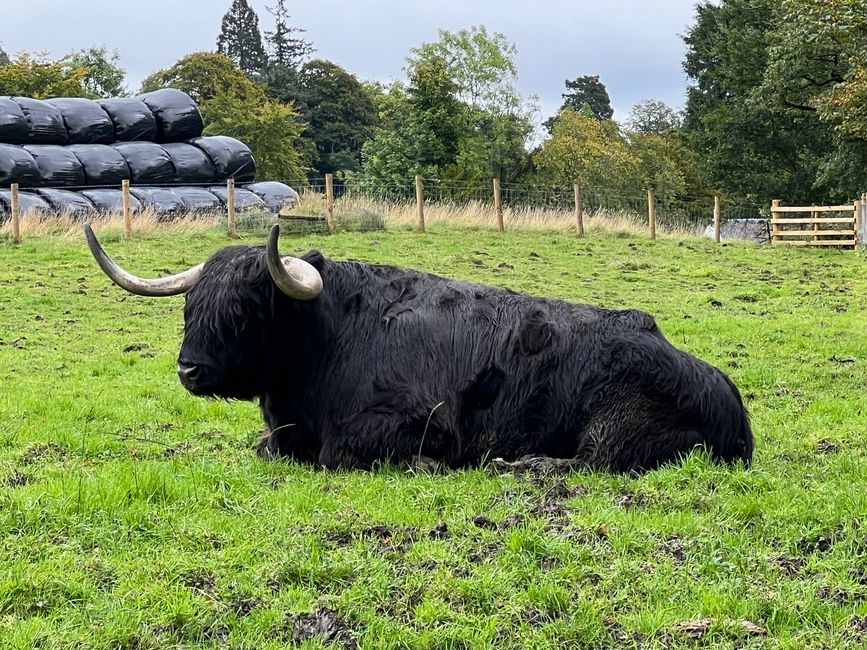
[
  {"x": 167, "y": 286},
  {"x": 295, "y": 277}
]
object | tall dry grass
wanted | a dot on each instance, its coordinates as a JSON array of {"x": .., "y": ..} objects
[
  {"x": 354, "y": 212},
  {"x": 477, "y": 214}
]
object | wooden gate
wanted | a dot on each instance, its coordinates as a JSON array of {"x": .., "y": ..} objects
[{"x": 816, "y": 225}]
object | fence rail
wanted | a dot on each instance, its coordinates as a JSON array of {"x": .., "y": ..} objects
[
  {"x": 507, "y": 205},
  {"x": 840, "y": 231}
]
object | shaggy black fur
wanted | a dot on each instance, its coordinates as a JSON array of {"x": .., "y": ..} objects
[{"x": 389, "y": 364}]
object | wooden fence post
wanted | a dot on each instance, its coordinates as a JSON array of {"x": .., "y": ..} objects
[
  {"x": 329, "y": 202},
  {"x": 127, "y": 222},
  {"x": 230, "y": 206},
  {"x": 419, "y": 202},
  {"x": 498, "y": 205},
  {"x": 579, "y": 209},
  {"x": 16, "y": 209},
  {"x": 651, "y": 212},
  {"x": 857, "y": 214},
  {"x": 717, "y": 217},
  {"x": 775, "y": 227}
]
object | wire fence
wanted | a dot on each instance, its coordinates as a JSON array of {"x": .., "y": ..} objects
[{"x": 333, "y": 204}]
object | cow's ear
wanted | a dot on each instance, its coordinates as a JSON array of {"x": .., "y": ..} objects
[{"x": 315, "y": 258}]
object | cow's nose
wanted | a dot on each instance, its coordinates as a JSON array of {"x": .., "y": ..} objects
[{"x": 188, "y": 372}]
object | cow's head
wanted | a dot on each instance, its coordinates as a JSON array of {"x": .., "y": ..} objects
[{"x": 228, "y": 315}]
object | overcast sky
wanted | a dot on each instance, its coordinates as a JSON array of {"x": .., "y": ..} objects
[{"x": 633, "y": 45}]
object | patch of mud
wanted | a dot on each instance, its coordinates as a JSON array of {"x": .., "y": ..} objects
[
  {"x": 324, "y": 625},
  {"x": 243, "y": 606},
  {"x": 440, "y": 531},
  {"x": 43, "y": 450},
  {"x": 790, "y": 566},
  {"x": 200, "y": 581},
  {"x": 537, "y": 465},
  {"x": 17, "y": 479}
]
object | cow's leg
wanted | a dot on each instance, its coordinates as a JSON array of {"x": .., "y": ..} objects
[
  {"x": 386, "y": 439},
  {"x": 287, "y": 442}
]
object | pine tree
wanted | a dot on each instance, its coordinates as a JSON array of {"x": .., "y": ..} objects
[
  {"x": 240, "y": 38},
  {"x": 287, "y": 51}
]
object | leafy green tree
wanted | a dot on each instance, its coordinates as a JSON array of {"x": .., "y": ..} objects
[
  {"x": 653, "y": 116},
  {"x": 584, "y": 149},
  {"x": 203, "y": 76},
  {"x": 748, "y": 146},
  {"x": 584, "y": 91},
  {"x": 286, "y": 48},
  {"x": 103, "y": 75},
  {"x": 233, "y": 105},
  {"x": 240, "y": 38},
  {"x": 340, "y": 115},
  {"x": 38, "y": 77},
  {"x": 481, "y": 65},
  {"x": 4, "y": 58},
  {"x": 269, "y": 128},
  {"x": 658, "y": 164},
  {"x": 817, "y": 63}
]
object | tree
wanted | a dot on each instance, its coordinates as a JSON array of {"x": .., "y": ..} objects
[
  {"x": 655, "y": 117},
  {"x": 658, "y": 164},
  {"x": 203, "y": 76},
  {"x": 4, "y": 58},
  {"x": 40, "y": 78},
  {"x": 269, "y": 128},
  {"x": 233, "y": 105},
  {"x": 103, "y": 75},
  {"x": 340, "y": 115},
  {"x": 749, "y": 146},
  {"x": 481, "y": 65},
  {"x": 240, "y": 39},
  {"x": 584, "y": 149},
  {"x": 286, "y": 49},
  {"x": 817, "y": 63}
]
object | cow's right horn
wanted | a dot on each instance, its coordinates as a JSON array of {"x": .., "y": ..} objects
[
  {"x": 168, "y": 286},
  {"x": 295, "y": 277}
]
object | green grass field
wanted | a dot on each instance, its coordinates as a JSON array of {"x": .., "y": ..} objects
[{"x": 133, "y": 515}]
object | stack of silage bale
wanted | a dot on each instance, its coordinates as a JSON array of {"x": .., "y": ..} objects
[{"x": 70, "y": 155}]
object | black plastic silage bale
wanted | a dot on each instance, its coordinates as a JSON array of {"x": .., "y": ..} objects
[
  {"x": 58, "y": 166},
  {"x": 244, "y": 199},
  {"x": 66, "y": 203},
  {"x": 164, "y": 201},
  {"x": 18, "y": 166},
  {"x": 85, "y": 121},
  {"x": 148, "y": 163},
  {"x": 178, "y": 118},
  {"x": 131, "y": 118},
  {"x": 44, "y": 122},
  {"x": 102, "y": 164},
  {"x": 108, "y": 201},
  {"x": 231, "y": 157},
  {"x": 275, "y": 195},
  {"x": 198, "y": 199},
  {"x": 27, "y": 202},
  {"x": 13, "y": 123},
  {"x": 192, "y": 165}
]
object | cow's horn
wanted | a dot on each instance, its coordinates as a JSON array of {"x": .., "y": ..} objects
[
  {"x": 295, "y": 277},
  {"x": 167, "y": 286}
]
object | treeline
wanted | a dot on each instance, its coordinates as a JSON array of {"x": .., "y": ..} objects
[{"x": 776, "y": 108}]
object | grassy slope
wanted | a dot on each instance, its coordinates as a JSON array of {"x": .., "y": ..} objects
[{"x": 134, "y": 515}]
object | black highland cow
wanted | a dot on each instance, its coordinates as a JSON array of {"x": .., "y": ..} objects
[{"x": 358, "y": 363}]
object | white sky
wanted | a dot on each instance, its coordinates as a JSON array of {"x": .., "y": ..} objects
[{"x": 633, "y": 45}]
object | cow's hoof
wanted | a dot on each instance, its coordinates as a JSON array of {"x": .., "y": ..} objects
[{"x": 265, "y": 449}]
